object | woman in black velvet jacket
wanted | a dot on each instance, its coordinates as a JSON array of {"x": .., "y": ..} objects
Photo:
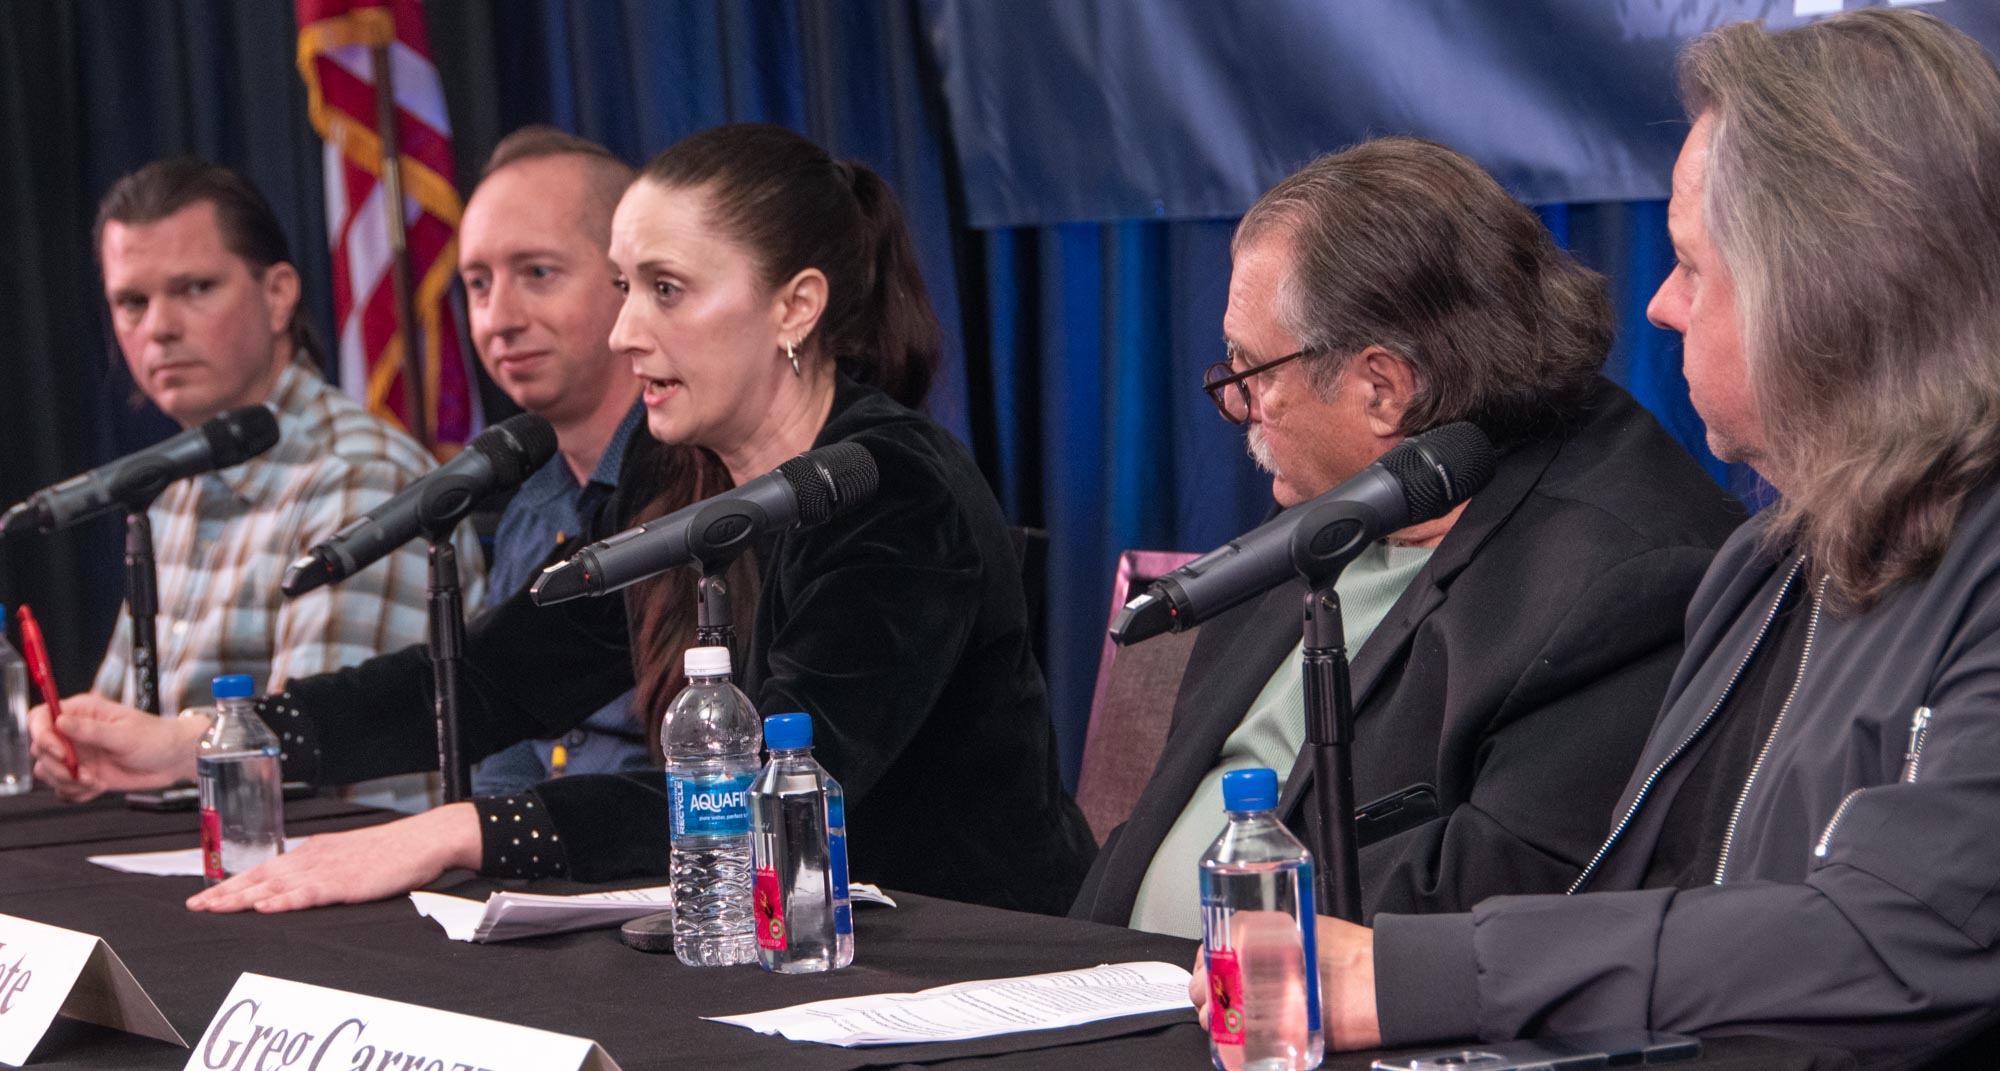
[{"x": 772, "y": 306}]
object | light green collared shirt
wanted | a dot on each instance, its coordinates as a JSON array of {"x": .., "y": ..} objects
[{"x": 1272, "y": 733}]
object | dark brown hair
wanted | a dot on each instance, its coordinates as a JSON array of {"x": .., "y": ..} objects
[
  {"x": 660, "y": 612},
  {"x": 249, "y": 227},
  {"x": 787, "y": 201},
  {"x": 1407, "y": 245},
  {"x": 1851, "y": 194}
]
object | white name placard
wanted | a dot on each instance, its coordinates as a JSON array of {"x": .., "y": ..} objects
[
  {"x": 46, "y": 971},
  {"x": 277, "y": 1025}
]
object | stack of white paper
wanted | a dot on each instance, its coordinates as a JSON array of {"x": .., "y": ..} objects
[
  {"x": 509, "y": 916},
  {"x": 980, "y": 1009}
]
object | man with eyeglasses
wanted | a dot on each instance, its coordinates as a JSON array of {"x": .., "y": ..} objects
[{"x": 1509, "y": 656}]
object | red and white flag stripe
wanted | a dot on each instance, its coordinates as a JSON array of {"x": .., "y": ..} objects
[{"x": 336, "y": 38}]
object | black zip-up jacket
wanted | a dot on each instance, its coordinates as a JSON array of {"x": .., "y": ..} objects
[{"x": 1858, "y": 902}]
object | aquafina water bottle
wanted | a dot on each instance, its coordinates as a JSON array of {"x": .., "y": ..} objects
[
  {"x": 710, "y": 740},
  {"x": 1257, "y": 935},
  {"x": 242, "y": 787},
  {"x": 799, "y": 848}
]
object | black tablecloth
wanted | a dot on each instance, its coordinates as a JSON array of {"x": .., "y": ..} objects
[
  {"x": 38, "y": 819},
  {"x": 644, "y": 1009}
]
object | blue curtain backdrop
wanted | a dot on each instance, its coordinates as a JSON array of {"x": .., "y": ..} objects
[{"x": 1074, "y": 348}]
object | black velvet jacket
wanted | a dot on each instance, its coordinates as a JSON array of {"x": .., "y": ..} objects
[
  {"x": 1518, "y": 674},
  {"x": 901, "y": 628}
]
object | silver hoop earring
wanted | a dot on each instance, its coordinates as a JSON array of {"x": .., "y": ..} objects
[{"x": 792, "y": 354}]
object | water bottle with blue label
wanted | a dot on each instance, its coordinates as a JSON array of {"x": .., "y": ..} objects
[
  {"x": 1257, "y": 935},
  {"x": 710, "y": 737},
  {"x": 799, "y": 849}
]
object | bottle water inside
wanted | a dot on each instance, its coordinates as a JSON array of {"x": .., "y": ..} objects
[
  {"x": 710, "y": 738},
  {"x": 242, "y": 785},
  {"x": 1258, "y": 936},
  {"x": 799, "y": 848},
  {"x": 17, "y": 763}
]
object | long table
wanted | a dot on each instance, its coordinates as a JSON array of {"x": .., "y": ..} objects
[{"x": 644, "y": 1009}]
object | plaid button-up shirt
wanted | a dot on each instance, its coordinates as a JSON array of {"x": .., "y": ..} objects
[{"x": 223, "y": 541}]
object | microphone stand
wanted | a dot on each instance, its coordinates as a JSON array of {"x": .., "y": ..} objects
[
  {"x": 142, "y": 600},
  {"x": 1329, "y": 702},
  {"x": 714, "y": 626},
  {"x": 447, "y": 650}
]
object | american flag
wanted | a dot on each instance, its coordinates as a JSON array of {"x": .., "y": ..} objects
[{"x": 342, "y": 44}]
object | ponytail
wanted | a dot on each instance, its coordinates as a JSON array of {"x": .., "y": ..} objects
[{"x": 795, "y": 208}]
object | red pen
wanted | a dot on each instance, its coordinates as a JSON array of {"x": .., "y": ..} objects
[{"x": 45, "y": 679}]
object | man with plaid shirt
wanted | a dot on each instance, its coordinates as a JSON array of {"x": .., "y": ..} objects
[{"x": 205, "y": 304}]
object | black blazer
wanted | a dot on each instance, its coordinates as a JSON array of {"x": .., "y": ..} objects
[{"x": 1518, "y": 673}]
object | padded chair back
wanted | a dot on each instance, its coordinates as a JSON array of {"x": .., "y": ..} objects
[{"x": 1133, "y": 702}]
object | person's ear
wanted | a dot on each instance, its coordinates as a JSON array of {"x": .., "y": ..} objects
[{"x": 1388, "y": 386}]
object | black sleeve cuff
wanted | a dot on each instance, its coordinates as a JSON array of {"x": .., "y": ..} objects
[
  {"x": 298, "y": 737},
  {"x": 1426, "y": 979},
  {"x": 518, "y": 839},
  {"x": 613, "y": 825}
]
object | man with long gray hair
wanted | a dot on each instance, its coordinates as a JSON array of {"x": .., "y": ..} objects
[{"x": 1807, "y": 846}]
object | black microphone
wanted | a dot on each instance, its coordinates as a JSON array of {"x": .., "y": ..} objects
[
  {"x": 133, "y": 481},
  {"x": 810, "y": 488},
  {"x": 1420, "y": 479},
  {"x": 499, "y": 458}
]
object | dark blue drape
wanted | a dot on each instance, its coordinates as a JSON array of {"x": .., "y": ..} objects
[{"x": 1074, "y": 349}]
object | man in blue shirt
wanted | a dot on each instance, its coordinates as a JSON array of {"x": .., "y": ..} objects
[{"x": 539, "y": 289}]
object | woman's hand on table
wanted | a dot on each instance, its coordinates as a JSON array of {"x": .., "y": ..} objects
[{"x": 355, "y": 866}]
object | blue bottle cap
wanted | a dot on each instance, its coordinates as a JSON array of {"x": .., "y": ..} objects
[
  {"x": 785, "y": 732},
  {"x": 234, "y": 686},
  {"x": 1255, "y": 789}
]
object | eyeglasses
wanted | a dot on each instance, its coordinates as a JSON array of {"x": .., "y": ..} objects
[{"x": 1234, "y": 405}]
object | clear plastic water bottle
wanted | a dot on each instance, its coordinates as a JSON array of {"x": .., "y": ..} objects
[
  {"x": 709, "y": 737},
  {"x": 798, "y": 844},
  {"x": 1257, "y": 935},
  {"x": 17, "y": 764},
  {"x": 242, "y": 786}
]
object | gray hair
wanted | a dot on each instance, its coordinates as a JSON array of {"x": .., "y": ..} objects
[
  {"x": 1852, "y": 194},
  {"x": 1410, "y": 246}
]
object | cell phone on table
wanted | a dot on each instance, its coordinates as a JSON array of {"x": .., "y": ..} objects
[
  {"x": 188, "y": 797},
  {"x": 1562, "y": 1052},
  {"x": 173, "y": 798}
]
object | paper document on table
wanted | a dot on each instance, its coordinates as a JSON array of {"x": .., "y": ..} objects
[
  {"x": 980, "y": 1009},
  {"x": 179, "y": 863},
  {"x": 510, "y": 916}
]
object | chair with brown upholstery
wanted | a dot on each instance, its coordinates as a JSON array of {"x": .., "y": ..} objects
[{"x": 1133, "y": 701}]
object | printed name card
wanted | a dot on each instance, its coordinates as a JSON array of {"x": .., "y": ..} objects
[
  {"x": 276, "y": 1025},
  {"x": 46, "y": 971}
]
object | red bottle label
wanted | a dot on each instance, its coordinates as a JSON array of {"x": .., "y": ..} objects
[
  {"x": 211, "y": 844},
  {"x": 1225, "y": 998},
  {"x": 769, "y": 907}
]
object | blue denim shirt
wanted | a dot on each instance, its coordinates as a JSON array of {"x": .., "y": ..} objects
[{"x": 549, "y": 509}]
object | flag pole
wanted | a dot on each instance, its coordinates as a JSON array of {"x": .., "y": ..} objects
[{"x": 399, "y": 249}]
